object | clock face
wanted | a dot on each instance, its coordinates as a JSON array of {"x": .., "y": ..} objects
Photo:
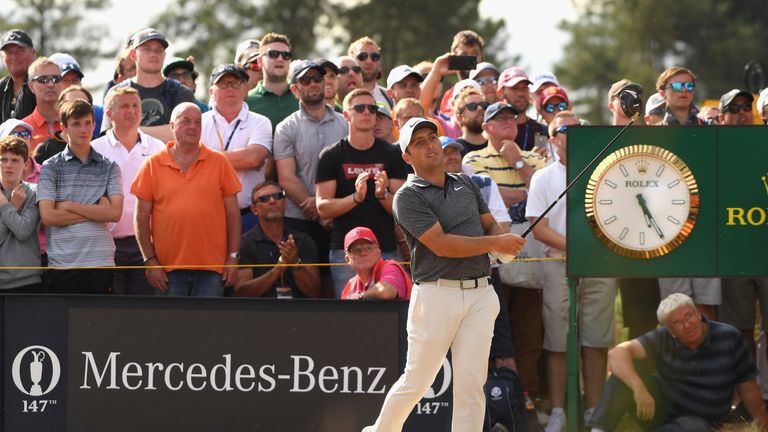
[{"x": 642, "y": 201}]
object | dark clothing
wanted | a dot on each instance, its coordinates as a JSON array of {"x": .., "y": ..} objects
[
  {"x": 256, "y": 248},
  {"x": 129, "y": 281},
  {"x": 467, "y": 146},
  {"x": 501, "y": 344},
  {"x": 11, "y": 107},
  {"x": 343, "y": 163},
  {"x": 157, "y": 103},
  {"x": 526, "y": 133},
  {"x": 87, "y": 281},
  {"x": 49, "y": 148},
  {"x": 639, "y": 301},
  {"x": 670, "y": 120}
]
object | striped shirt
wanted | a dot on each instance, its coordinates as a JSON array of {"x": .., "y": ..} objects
[{"x": 64, "y": 178}]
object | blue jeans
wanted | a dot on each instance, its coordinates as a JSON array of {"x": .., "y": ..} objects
[
  {"x": 194, "y": 283},
  {"x": 343, "y": 273}
]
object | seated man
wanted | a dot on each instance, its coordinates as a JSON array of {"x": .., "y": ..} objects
[
  {"x": 375, "y": 278},
  {"x": 699, "y": 364}
]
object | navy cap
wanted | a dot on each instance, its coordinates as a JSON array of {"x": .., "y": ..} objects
[
  {"x": 496, "y": 108},
  {"x": 16, "y": 37},
  {"x": 66, "y": 63},
  {"x": 300, "y": 68},
  {"x": 228, "y": 69},
  {"x": 327, "y": 64},
  {"x": 147, "y": 34}
]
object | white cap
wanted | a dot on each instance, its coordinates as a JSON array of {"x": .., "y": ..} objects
[
  {"x": 481, "y": 67},
  {"x": 413, "y": 124},
  {"x": 459, "y": 86},
  {"x": 654, "y": 102},
  {"x": 11, "y": 124},
  {"x": 762, "y": 100},
  {"x": 543, "y": 78},
  {"x": 399, "y": 73}
]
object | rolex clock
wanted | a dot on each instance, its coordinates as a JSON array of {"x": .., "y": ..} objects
[{"x": 642, "y": 201}]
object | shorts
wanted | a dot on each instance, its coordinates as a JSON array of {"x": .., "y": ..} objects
[
  {"x": 704, "y": 291},
  {"x": 739, "y": 297}
]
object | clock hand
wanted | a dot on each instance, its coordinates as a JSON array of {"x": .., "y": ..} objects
[{"x": 648, "y": 217}]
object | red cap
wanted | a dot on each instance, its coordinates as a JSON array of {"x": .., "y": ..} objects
[
  {"x": 358, "y": 233},
  {"x": 552, "y": 91},
  {"x": 512, "y": 76}
]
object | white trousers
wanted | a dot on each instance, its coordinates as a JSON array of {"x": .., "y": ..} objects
[{"x": 440, "y": 318}]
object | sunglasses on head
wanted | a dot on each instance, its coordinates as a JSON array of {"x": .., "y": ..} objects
[
  {"x": 21, "y": 134},
  {"x": 360, "y": 108},
  {"x": 45, "y": 79},
  {"x": 678, "y": 86},
  {"x": 345, "y": 70},
  {"x": 735, "y": 108},
  {"x": 473, "y": 106},
  {"x": 561, "y": 130},
  {"x": 550, "y": 108},
  {"x": 277, "y": 196},
  {"x": 486, "y": 80},
  {"x": 274, "y": 54},
  {"x": 363, "y": 56},
  {"x": 305, "y": 80}
]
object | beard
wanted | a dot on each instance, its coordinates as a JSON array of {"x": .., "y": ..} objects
[{"x": 474, "y": 125}]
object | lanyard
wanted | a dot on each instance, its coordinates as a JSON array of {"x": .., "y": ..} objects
[
  {"x": 225, "y": 147},
  {"x": 525, "y": 138}
]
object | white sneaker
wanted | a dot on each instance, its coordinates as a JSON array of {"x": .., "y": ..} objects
[
  {"x": 556, "y": 421},
  {"x": 588, "y": 416}
]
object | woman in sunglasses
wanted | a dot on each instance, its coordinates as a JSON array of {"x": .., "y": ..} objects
[{"x": 676, "y": 85}]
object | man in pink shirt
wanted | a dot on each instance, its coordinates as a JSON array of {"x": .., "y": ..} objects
[{"x": 375, "y": 278}]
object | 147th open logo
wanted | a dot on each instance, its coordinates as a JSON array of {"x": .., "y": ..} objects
[{"x": 36, "y": 370}]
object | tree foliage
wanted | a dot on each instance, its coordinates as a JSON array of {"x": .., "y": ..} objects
[{"x": 614, "y": 39}]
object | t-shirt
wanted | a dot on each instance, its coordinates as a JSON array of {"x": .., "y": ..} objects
[
  {"x": 157, "y": 103},
  {"x": 469, "y": 147},
  {"x": 343, "y": 163}
]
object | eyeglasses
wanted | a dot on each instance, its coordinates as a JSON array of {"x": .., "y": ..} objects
[
  {"x": 360, "y": 248},
  {"x": 687, "y": 319},
  {"x": 735, "y": 108},
  {"x": 360, "y": 108},
  {"x": 274, "y": 54},
  {"x": 45, "y": 79},
  {"x": 550, "y": 108},
  {"x": 305, "y": 80},
  {"x": 345, "y": 70},
  {"x": 254, "y": 66},
  {"x": 561, "y": 130},
  {"x": 183, "y": 74},
  {"x": 277, "y": 196},
  {"x": 678, "y": 86},
  {"x": 473, "y": 106},
  {"x": 235, "y": 84},
  {"x": 486, "y": 80},
  {"x": 21, "y": 134},
  {"x": 363, "y": 56}
]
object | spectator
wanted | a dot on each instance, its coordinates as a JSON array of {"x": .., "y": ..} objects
[
  {"x": 330, "y": 83},
  {"x": 423, "y": 68},
  {"x": 465, "y": 43},
  {"x": 403, "y": 83},
  {"x": 710, "y": 115},
  {"x": 375, "y": 278},
  {"x": 430, "y": 87},
  {"x": 736, "y": 108},
  {"x": 487, "y": 76},
  {"x": 16, "y": 98},
  {"x": 244, "y": 137},
  {"x": 183, "y": 71},
  {"x": 655, "y": 108},
  {"x": 71, "y": 75},
  {"x": 23, "y": 131},
  {"x": 79, "y": 193},
  {"x": 125, "y": 68},
  {"x": 126, "y": 145},
  {"x": 247, "y": 58},
  {"x": 187, "y": 212},
  {"x": 45, "y": 83},
  {"x": 368, "y": 55},
  {"x": 350, "y": 77},
  {"x": 355, "y": 180},
  {"x": 384, "y": 129},
  {"x": 676, "y": 85},
  {"x": 272, "y": 97},
  {"x": 469, "y": 109},
  {"x": 19, "y": 220},
  {"x": 553, "y": 100},
  {"x": 57, "y": 143},
  {"x": 762, "y": 105},
  {"x": 514, "y": 90},
  {"x": 540, "y": 83},
  {"x": 273, "y": 242}
]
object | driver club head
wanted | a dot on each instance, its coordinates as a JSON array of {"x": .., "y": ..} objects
[{"x": 631, "y": 104}]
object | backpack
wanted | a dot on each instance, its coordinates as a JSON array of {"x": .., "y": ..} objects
[{"x": 504, "y": 401}]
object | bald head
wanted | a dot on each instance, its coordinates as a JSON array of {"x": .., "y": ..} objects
[{"x": 186, "y": 124}]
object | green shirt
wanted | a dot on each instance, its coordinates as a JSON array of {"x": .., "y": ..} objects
[{"x": 276, "y": 108}]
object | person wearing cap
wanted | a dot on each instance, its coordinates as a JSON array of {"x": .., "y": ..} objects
[
  {"x": 77, "y": 212},
  {"x": 368, "y": 55},
  {"x": 331, "y": 84},
  {"x": 71, "y": 75},
  {"x": 736, "y": 108},
  {"x": 540, "y": 83},
  {"x": 243, "y": 136},
  {"x": 272, "y": 96},
  {"x": 431, "y": 86},
  {"x": 487, "y": 76},
  {"x": 710, "y": 114},
  {"x": 187, "y": 213},
  {"x": 385, "y": 125},
  {"x": 677, "y": 85},
  {"x": 126, "y": 145},
  {"x": 355, "y": 181},
  {"x": 403, "y": 83},
  {"x": 45, "y": 83},
  {"x": 274, "y": 242},
  {"x": 553, "y": 100},
  {"x": 247, "y": 58},
  {"x": 23, "y": 131},
  {"x": 655, "y": 108},
  {"x": 514, "y": 90},
  {"x": 453, "y": 305},
  {"x": 597, "y": 296},
  {"x": 375, "y": 278},
  {"x": 125, "y": 67},
  {"x": 618, "y": 118},
  {"x": 183, "y": 71},
  {"x": 17, "y": 51},
  {"x": 762, "y": 105},
  {"x": 468, "y": 110},
  {"x": 349, "y": 77}
]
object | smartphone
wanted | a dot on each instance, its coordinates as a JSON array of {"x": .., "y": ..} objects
[
  {"x": 462, "y": 63},
  {"x": 540, "y": 140}
]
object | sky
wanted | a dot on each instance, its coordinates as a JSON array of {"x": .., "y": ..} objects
[{"x": 531, "y": 27}]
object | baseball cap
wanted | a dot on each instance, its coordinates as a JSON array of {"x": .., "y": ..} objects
[
  {"x": 299, "y": 68},
  {"x": 446, "y": 141},
  {"x": 228, "y": 69},
  {"x": 177, "y": 62},
  {"x": 384, "y": 109},
  {"x": 762, "y": 101},
  {"x": 16, "y": 37},
  {"x": 512, "y": 76},
  {"x": 624, "y": 84},
  {"x": 243, "y": 48},
  {"x": 496, "y": 108},
  {"x": 727, "y": 98},
  {"x": 412, "y": 125},
  {"x": 66, "y": 63},
  {"x": 147, "y": 34},
  {"x": 552, "y": 92},
  {"x": 11, "y": 124},
  {"x": 543, "y": 78},
  {"x": 359, "y": 233},
  {"x": 461, "y": 85},
  {"x": 655, "y": 101},
  {"x": 482, "y": 67},
  {"x": 399, "y": 73},
  {"x": 327, "y": 64}
]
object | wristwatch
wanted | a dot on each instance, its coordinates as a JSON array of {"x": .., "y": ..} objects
[
  {"x": 518, "y": 165},
  {"x": 235, "y": 255}
]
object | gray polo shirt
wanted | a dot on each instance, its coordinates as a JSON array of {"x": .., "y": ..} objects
[
  {"x": 419, "y": 204},
  {"x": 64, "y": 178},
  {"x": 302, "y": 138}
]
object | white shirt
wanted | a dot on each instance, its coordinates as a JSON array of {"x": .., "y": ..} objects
[
  {"x": 546, "y": 185},
  {"x": 252, "y": 129},
  {"x": 129, "y": 163}
]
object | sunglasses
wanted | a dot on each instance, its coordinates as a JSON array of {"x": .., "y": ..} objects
[
  {"x": 473, "y": 106},
  {"x": 486, "y": 80},
  {"x": 21, "y": 134},
  {"x": 45, "y": 79},
  {"x": 678, "y": 86},
  {"x": 345, "y": 70},
  {"x": 735, "y": 108},
  {"x": 254, "y": 66},
  {"x": 274, "y": 54},
  {"x": 305, "y": 80},
  {"x": 550, "y": 108},
  {"x": 277, "y": 196},
  {"x": 360, "y": 108},
  {"x": 561, "y": 130},
  {"x": 363, "y": 56}
]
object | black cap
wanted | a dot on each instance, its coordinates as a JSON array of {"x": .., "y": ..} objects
[
  {"x": 177, "y": 62},
  {"x": 327, "y": 64},
  {"x": 147, "y": 34},
  {"x": 228, "y": 69},
  {"x": 496, "y": 108},
  {"x": 727, "y": 98},
  {"x": 302, "y": 67},
  {"x": 16, "y": 37}
]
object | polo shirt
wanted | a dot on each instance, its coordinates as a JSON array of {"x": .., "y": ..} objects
[
  {"x": 189, "y": 222},
  {"x": 247, "y": 129},
  {"x": 418, "y": 205},
  {"x": 42, "y": 130},
  {"x": 64, "y": 177},
  {"x": 12, "y": 106},
  {"x": 302, "y": 138},
  {"x": 275, "y": 107},
  {"x": 130, "y": 162}
]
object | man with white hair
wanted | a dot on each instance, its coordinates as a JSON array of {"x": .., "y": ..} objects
[{"x": 699, "y": 365}]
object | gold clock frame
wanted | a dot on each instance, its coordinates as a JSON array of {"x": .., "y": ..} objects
[{"x": 656, "y": 152}]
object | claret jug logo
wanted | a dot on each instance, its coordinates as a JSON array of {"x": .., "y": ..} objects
[
  {"x": 755, "y": 216},
  {"x": 36, "y": 370}
]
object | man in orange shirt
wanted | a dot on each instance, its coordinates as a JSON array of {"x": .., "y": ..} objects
[{"x": 187, "y": 213}]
